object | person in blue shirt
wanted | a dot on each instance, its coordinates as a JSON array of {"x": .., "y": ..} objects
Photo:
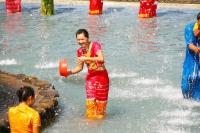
[{"x": 191, "y": 73}]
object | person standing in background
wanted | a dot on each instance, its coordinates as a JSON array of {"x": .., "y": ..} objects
[{"x": 191, "y": 67}]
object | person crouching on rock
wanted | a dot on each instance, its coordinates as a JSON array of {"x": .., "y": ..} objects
[{"x": 22, "y": 118}]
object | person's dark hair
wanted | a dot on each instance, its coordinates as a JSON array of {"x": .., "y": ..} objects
[
  {"x": 84, "y": 31},
  {"x": 25, "y": 92},
  {"x": 198, "y": 16}
]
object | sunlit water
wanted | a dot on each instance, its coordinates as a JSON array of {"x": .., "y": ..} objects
[{"x": 143, "y": 57}]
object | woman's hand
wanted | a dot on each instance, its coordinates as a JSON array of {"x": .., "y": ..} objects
[
  {"x": 194, "y": 48},
  {"x": 82, "y": 59},
  {"x": 197, "y": 50}
]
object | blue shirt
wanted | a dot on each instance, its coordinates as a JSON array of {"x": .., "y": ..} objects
[{"x": 190, "y": 78}]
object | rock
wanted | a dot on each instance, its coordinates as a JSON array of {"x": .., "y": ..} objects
[{"x": 46, "y": 102}]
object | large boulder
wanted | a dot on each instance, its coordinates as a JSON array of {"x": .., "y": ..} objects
[{"x": 46, "y": 102}]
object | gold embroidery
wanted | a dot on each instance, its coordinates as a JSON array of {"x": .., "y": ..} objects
[
  {"x": 93, "y": 12},
  {"x": 91, "y": 64}
]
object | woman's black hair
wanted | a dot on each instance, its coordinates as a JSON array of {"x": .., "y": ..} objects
[
  {"x": 198, "y": 16},
  {"x": 84, "y": 31},
  {"x": 25, "y": 92}
]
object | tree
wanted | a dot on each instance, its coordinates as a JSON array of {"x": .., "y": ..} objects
[{"x": 47, "y": 7}]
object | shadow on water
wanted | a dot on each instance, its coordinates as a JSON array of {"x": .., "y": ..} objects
[
  {"x": 61, "y": 10},
  {"x": 175, "y": 12},
  {"x": 36, "y": 7},
  {"x": 25, "y": 8},
  {"x": 113, "y": 10},
  {"x": 57, "y": 9},
  {"x": 30, "y": 8}
]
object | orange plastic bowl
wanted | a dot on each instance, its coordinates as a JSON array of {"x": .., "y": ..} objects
[{"x": 63, "y": 68}]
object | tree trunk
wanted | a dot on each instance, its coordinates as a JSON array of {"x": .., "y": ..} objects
[{"x": 47, "y": 7}]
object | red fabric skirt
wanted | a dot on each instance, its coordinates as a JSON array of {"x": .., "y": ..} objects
[{"x": 97, "y": 85}]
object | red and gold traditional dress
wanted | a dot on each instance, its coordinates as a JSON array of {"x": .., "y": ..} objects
[{"x": 97, "y": 83}]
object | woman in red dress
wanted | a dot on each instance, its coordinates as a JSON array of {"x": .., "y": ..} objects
[{"x": 97, "y": 80}]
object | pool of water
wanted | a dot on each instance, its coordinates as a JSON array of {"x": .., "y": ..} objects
[{"x": 143, "y": 57}]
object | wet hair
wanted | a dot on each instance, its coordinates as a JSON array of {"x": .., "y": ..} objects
[
  {"x": 84, "y": 31},
  {"x": 25, "y": 92},
  {"x": 198, "y": 16}
]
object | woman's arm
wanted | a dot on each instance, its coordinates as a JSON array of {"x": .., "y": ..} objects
[
  {"x": 36, "y": 123},
  {"x": 194, "y": 48},
  {"x": 77, "y": 69},
  {"x": 36, "y": 129}
]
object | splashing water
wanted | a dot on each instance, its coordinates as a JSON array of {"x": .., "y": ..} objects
[
  {"x": 8, "y": 62},
  {"x": 143, "y": 57}
]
